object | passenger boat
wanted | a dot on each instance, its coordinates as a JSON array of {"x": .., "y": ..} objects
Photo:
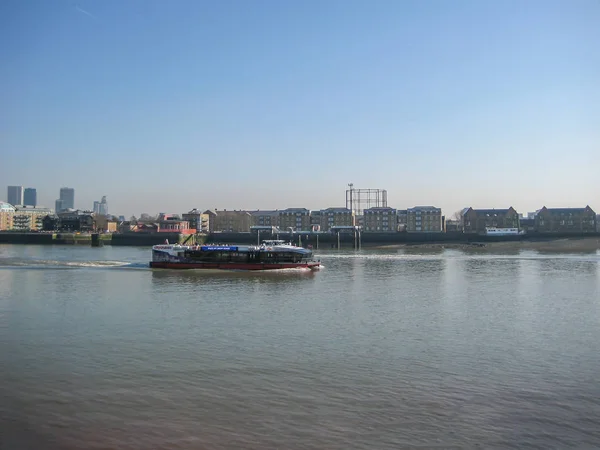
[{"x": 267, "y": 256}]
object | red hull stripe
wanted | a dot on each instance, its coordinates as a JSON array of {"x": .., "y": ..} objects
[{"x": 232, "y": 266}]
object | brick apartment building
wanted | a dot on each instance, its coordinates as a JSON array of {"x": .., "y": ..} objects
[
  {"x": 380, "y": 219},
  {"x": 335, "y": 217},
  {"x": 296, "y": 218},
  {"x": 232, "y": 221},
  {"x": 565, "y": 220},
  {"x": 477, "y": 220},
  {"x": 424, "y": 219}
]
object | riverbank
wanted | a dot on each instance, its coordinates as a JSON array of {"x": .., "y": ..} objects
[
  {"x": 550, "y": 245},
  {"x": 324, "y": 241}
]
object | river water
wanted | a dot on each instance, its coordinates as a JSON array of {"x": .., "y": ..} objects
[{"x": 381, "y": 349}]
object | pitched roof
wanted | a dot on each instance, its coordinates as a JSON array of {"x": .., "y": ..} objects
[
  {"x": 266, "y": 212},
  {"x": 485, "y": 212},
  {"x": 303, "y": 210},
  {"x": 566, "y": 210},
  {"x": 336, "y": 209},
  {"x": 424, "y": 208},
  {"x": 380, "y": 208}
]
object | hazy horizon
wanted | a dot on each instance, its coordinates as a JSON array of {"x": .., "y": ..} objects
[{"x": 169, "y": 106}]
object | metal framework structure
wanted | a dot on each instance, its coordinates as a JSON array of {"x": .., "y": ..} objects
[{"x": 358, "y": 200}]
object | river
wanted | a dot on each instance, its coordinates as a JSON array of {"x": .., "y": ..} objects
[{"x": 381, "y": 349}]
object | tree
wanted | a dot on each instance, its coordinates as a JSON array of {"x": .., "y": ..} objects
[{"x": 457, "y": 216}]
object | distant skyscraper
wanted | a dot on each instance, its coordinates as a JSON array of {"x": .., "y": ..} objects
[
  {"x": 15, "y": 195},
  {"x": 30, "y": 197},
  {"x": 101, "y": 207},
  {"x": 67, "y": 197},
  {"x": 58, "y": 205}
]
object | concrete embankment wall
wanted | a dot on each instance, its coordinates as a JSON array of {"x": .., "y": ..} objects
[
  {"x": 390, "y": 238},
  {"x": 26, "y": 238},
  {"x": 133, "y": 239},
  {"x": 321, "y": 240},
  {"x": 146, "y": 239}
]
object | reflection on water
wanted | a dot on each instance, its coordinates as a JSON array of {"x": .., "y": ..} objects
[{"x": 202, "y": 276}]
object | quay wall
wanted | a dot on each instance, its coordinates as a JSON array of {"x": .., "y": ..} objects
[
  {"x": 391, "y": 238},
  {"x": 10, "y": 237},
  {"x": 322, "y": 240},
  {"x": 146, "y": 239}
]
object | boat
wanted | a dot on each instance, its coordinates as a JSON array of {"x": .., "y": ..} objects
[{"x": 269, "y": 255}]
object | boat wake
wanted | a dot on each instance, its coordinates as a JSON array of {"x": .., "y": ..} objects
[{"x": 57, "y": 264}]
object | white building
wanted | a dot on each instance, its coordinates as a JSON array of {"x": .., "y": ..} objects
[{"x": 7, "y": 211}]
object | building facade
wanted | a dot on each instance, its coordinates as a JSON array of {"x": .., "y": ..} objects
[
  {"x": 14, "y": 195},
  {"x": 29, "y": 218},
  {"x": 103, "y": 224},
  {"x": 380, "y": 219},
  {"x": 477, "y": 220},
  {"x": 335, "y": 217},
  {"x": 174, "y": 225},
  {"x": 527, "y": 225},
  {"x": 30, "y": 197},
  {"x": 402, "y": 216},
  {"x": 194, "y": 217},
  {"x": 424, "y": 219},
  {"x": 315, "y": 220},
  {"x": 228, "y": 221},
  {"x": 296, "y": 218},
  {"x": 76, "y": 221},
  {"x": 565, "y": 220},
  {"x": 7, "y": 212},
  {"x": 267, "y": 218}
]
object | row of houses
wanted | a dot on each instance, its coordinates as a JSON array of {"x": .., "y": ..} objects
[
  {"x": 419, "y": 219},
  {"x": 544, "y": 220},
  {"x": 381, "y": 219},
  {"x": 29, "y": 218}
]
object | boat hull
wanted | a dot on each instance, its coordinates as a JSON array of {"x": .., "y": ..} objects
[{"x": 233, "y": 266}]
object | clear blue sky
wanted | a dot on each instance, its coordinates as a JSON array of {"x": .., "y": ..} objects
[{"x": 170, "y": 105}]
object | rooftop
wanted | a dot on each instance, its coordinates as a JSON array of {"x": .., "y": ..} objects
[{"x": 6, "y": 207}]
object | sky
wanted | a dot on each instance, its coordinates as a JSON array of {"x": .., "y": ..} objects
[{"x": 165, "y": 106}]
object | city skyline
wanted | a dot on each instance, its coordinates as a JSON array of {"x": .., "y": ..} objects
[
  {"x": 277, "y": 105},
  {"x": 102, "y": 207}
]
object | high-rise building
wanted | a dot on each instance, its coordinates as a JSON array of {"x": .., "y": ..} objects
[
  {"x": 30, "y": 197},
  {"x": 15, "y": 195},
  {"x": 58, "y": 205},
  {"x": 67, "y": 198},
  {"x": 101, "y": 207}
]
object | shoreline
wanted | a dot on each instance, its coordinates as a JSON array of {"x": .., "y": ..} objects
[
  {"x": 589, "y": 244},
  {"x": 468, "y": 243}
]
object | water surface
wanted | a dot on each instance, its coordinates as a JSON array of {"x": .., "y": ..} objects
[{"x": 380, "y": 349}]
